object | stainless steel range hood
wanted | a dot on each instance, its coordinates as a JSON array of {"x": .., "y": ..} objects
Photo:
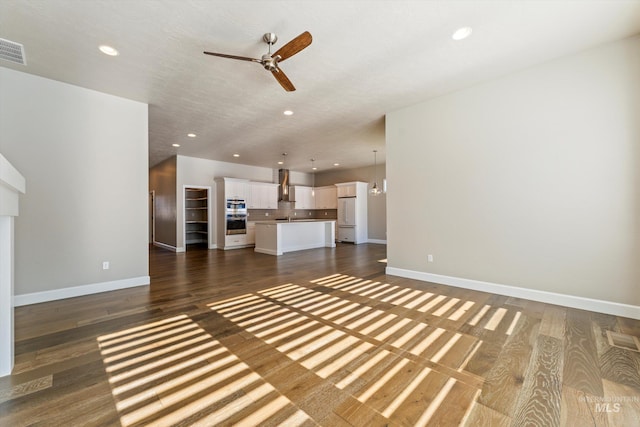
[{"x": 283, "y": 189}]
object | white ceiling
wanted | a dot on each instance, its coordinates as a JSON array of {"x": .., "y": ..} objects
[{"x": 367, "y": 58}]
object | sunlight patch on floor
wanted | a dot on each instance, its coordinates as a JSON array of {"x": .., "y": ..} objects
[
  {"x": 340, "y": 340},
  {"x": 172, "y": 371}
]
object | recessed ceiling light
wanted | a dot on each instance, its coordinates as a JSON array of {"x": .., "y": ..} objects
[
  {"x": 336, "y": 164},
  {"x": 281, "y": 162},
  {"x": 462, "y": 33},
  {"x": 236, "y": 155},
  {"x": 314, "y": 168},
  {"x": 108, "y": 50},
  {"x": 191, "y": 135},
  {"x": 288, "y": 113},
  {"x": 176, "y": 145}
]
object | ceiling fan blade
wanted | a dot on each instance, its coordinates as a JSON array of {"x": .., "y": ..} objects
[
  {"x": 283, "y": 80},
  {"x": 294, "y": 46},
  {"x": 241, "y": 58}
]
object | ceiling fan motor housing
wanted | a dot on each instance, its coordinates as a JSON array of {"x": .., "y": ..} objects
[{"x": 270, "y": 63}]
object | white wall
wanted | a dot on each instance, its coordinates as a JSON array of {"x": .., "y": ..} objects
[
  {"x": 531, "y": 180},
  {"x": 84, "y": 155}
]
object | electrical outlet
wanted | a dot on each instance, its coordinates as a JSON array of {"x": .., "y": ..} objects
[
  {"x": 309, "y": 213},
  {"x": 105, "y": 265},
  {"x": 266, "y": 214},
  {"x": 326, "y": 213},
  {"x": 295, "y": 214},
  {"x": 430, "y": 258}
]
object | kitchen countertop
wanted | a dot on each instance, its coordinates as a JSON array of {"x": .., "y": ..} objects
[{"x": 293, "y": 221}]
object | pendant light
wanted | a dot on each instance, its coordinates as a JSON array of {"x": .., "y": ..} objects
[{"x": 375, "y": 190}]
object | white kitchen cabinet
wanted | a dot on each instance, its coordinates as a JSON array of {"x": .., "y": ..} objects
[
  {"x": 277, "y": 238},
  {"x": 251, "y": 233},
  {"x": 235, "y": 188},
  {"x": 254, "y": 196},
  {"x": 348, "y": 189},
  {"x": 271, "y": 196},
  {"x": 326, "y": 197},
  {"x": 347, "y": 234},
  {"x": 235, "y": 240},
  {"x": 302, "y": 195},
  {"x": 262, "y": 195}
]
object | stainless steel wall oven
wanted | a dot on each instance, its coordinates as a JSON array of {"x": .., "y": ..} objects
[{"x": 236, "y": 216}]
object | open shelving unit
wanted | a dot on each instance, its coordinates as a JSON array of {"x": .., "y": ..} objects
[{"x": 196, "y": 215}]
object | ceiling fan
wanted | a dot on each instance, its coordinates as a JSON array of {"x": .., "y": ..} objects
[{"x": 270, "y": 61}]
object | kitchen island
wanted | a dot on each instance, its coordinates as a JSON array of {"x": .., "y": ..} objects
[{"x": 279, "y": 237}]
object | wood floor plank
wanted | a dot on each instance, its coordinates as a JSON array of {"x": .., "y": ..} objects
[
  {"x": 621, "y": 404},
  {"x": 553, "y": 322},
  {"x": 481, "y": 415},
  {"x": 81, "y": 332},
  {"x": 322, "y": 402},
  {"x": 504, "y": 380},
  {"x": 621, "y": 366},
  {"x": 77, "y": 401},
  {"x": 26, "y": 388},
  {"x": 581, "y": 367},
  {"x": 540, "y": 399},
  {"x": 453, "y": 411},
  {"x": 578, "y": 408},
  {"x": 618, "y": 365},
  {"x": 389, "y": 397},
  {"x": 356, "y": 413},
  {"x": 628, "y": 326}
]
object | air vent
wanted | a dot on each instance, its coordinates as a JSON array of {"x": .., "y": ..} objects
[
  {"x": 627, "y": 342},
  {"x": 12, "y": 51}
]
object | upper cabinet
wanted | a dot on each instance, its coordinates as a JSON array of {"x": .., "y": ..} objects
[
  {"x": 347, "y": 189},
  {"x": 352, "y": 189},
  {"x": 262, "y": 195},
  {"x": 302, "y": 195},
  {"x": 326, "y": 197},
  {"x": 235, "y": 188},
  {"x": 314, "y": 198}
]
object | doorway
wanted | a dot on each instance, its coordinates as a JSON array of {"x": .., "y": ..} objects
[{"x": 197, "y": 217}]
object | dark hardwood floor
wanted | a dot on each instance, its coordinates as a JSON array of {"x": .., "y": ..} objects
[{"x": 318, "y": 337}]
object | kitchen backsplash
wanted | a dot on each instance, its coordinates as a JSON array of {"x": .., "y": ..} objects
[{"x": 259, "y": 214}]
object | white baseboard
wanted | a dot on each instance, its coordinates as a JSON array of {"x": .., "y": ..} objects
[
  {"x": 268, "y": 251},
  {"x": 183, "y": 249},
  {"x": 377, "y": 241},
  {"x": 582, "y": 303},
  {"x": 77, "y": 291},
  {"x": 165, "y": 246}
]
